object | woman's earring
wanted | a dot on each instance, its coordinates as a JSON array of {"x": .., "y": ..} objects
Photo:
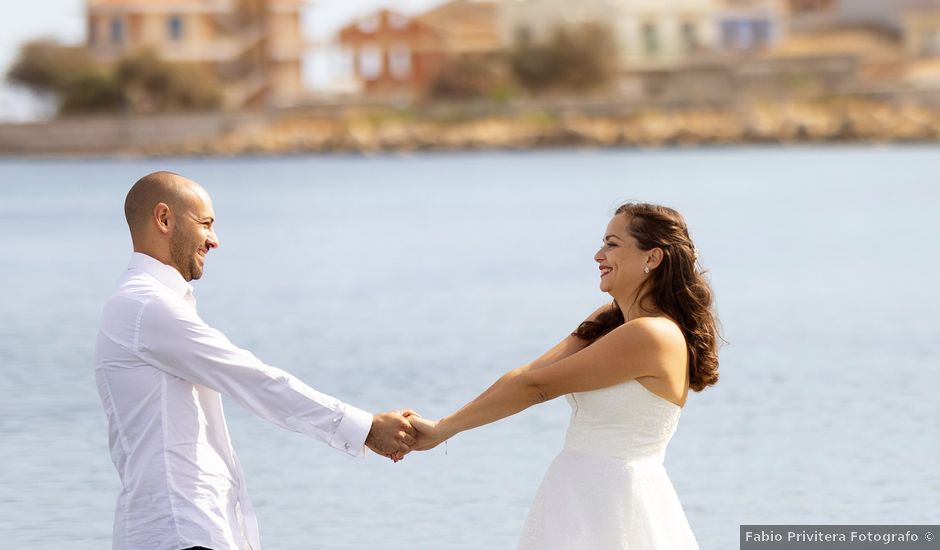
[{"x": 646, "y": 269}]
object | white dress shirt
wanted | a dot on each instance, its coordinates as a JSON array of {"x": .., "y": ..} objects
[{"x": 160, "y": 371}]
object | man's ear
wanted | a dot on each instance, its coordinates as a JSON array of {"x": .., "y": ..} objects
[
  {"x": 654, "y": 257},
  {"x": 163, "y": 217}
]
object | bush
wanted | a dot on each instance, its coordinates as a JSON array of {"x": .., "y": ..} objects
[
  {"x": 49, "y": 67},
  {"x": 469, "y": 77},
  {"x": 151, "y": 85},
  {"x": 94, "y": 91},
  {"x": 141, "y": 83},
  {"x": 577, "y": 58}
]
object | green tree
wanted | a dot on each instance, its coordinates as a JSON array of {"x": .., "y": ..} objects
[
  {"x": 68, "y": 73},
  {"x": 140, "y": 83},
  {"x": 576, "y": 58},
  {"x": 151, "y": 85}
]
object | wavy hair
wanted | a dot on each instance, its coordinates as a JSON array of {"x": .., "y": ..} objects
[{"x": 677, "y": 287}]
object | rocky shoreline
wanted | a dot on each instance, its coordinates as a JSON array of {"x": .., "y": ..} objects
[
  {"x": 378, "y": 130},
  {"x": 792, "y": 122}
]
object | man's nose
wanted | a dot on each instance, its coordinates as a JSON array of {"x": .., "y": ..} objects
[{"x": 213, "y": 240}]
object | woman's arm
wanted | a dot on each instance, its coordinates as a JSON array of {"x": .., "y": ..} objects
[
  {"x": 567, "y": 347},
  {"x": 642, "y": 347}
]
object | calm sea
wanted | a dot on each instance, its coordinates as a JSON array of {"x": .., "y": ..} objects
[{"x": 415, "y": 281}]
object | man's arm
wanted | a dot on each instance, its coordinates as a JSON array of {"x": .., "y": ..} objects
[{"x": 172, "y": 337}]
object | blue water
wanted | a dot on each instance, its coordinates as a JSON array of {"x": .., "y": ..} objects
[{"x": 416, "y": 281}]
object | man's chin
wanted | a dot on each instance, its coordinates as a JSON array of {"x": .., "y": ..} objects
[{"x": 195, "y": 269}]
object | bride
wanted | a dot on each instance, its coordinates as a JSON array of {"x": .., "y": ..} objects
[{"x": 626, "y": 372}]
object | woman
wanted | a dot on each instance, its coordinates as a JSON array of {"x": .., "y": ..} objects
[{"x": 626, "y": 372}]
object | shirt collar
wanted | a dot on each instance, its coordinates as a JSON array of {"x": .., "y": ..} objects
[{"x": 167, "y": 275}]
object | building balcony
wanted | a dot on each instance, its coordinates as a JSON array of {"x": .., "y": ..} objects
[{"x": 215, "y": 51}]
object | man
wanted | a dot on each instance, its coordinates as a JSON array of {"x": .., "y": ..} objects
[{"x": 160, "y": 371}]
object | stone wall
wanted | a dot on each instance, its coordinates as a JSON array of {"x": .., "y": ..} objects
[{"x": 109, "y": 135}]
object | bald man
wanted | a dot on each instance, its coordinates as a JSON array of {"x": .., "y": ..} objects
[{"x": 161, "y": 370}]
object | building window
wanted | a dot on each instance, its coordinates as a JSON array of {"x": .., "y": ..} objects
[
  {"x": 690, "y": 37},
  {"x": 523, "y": 35},
  {"x": 399, "y": 62},
  {"x": 745, "y": 34},
  {"x": 650, "y": 39},
  {"x": 175, "y": 28},
  {"x": 117, "y": 31},
  {"x": 368, "y": 25},
  {"x": 370, "y": 63}
]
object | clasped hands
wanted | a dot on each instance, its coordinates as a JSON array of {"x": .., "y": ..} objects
[{"x": 395, "y": 434}]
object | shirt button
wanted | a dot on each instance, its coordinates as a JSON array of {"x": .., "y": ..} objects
[{"x": 347, "y": 446}]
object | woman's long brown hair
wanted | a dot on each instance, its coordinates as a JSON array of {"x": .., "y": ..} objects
[{"x": 677, "y": 288}]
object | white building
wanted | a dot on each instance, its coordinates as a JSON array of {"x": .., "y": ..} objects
[{"x": 653, "y": 34}]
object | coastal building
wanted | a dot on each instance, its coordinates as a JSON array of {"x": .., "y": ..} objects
[
  {"x": 252, "y": 47},
  {"x": 394, "y": 55},
  {"x": 837, "y": 47},
  {"x": 921, "y": 31},
  {"x": 889, "y": 15},
  {"x": 649, "y": 34}
]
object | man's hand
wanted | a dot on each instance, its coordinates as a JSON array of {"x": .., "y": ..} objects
[{"x": 391, "y": 435}]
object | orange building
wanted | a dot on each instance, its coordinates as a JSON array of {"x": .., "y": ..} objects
[
  {"x": 392, "y": 54},
  {"x": 253, "y": 47},
  {"x": 395, "y": 55}
]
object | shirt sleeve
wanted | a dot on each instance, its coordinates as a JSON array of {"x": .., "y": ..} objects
[{"x": 172, "y": 337}]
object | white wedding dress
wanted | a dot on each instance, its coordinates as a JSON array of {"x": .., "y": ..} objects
[{"x": 607, "y": 489}]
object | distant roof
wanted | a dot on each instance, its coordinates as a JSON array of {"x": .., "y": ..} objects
[
  {"x": 186, "y": 3},
  {"x": 468, "y": 24}
]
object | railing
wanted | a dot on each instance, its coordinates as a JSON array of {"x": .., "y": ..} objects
[{"x": 237, "y": 94}]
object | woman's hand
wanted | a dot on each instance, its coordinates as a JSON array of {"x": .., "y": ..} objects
[{"x": 430, "y": 434}]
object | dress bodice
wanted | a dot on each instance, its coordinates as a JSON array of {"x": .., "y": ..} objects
[
  {"x": 608, "y": 487},
  {"x": 625, "y": 421}
]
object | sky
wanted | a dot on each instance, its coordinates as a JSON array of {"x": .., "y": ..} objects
[{"x": 64, "y": 20}]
